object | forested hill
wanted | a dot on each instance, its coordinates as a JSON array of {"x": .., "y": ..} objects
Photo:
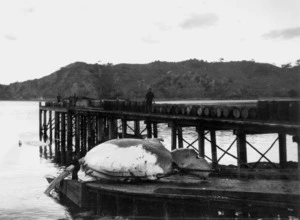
[{"x": 191, "y": 79}]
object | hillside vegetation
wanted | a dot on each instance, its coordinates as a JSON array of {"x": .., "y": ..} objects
[{"x": 191, "y": 79}]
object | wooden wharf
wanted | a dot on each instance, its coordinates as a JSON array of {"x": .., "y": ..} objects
[{"x": 82, "y": 125}]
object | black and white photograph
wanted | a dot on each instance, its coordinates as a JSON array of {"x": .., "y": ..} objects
[{"x": 149, "y": 109}]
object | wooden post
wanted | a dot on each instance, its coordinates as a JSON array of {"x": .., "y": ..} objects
[
  {"x": 69, "y": 136},
  {"x": 77, "y": 133},
  {"x": 173, "y": 136},
  {"x": 180, "y": 138},
  {"x": 201, "y": 141},
  {"x": 213, "y": 148},
  {"x": 50, "y": 127},
  {"x": 113, "y": 128},
  {"x": 83, "y": 135},
  {"x": 100, "y": 130},
  {"x": 282, "y": 150},
  {"x": 149, "y": 129},
  {"x": 155, "y": 132},
  {"x": 241, "y": 150},
  {"x": 57, "y": 135},
  {"x": 40, "y": 122},
  {"x": 297, "y": 140},
  {"x": 63, "y": 137},
  {"x": 45, "y": 126},
  {"x": 137, "y": 128},
  {"x": 124, "y": 128},
  {"x": 89, "y": 132}
]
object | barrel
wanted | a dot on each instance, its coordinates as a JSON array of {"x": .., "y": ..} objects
[
  {"x": 188, "y": 109},
  {"x": 236, "y": 112},
  {"x": 206, "y": 111},
  {"x": 253, "y": 113},
  {"x": 213, "y": 112},
  {"x": 219, "y": 112},
  {"x": 199, "y": 111},
  {"x": 226, "y": 112},
  {"x": 176, "y": 109},
  {"x": 245, "y": 113}
]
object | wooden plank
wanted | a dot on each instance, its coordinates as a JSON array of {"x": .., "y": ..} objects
[{"x": 58, "y": 179}]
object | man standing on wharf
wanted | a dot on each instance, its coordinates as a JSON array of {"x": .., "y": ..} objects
[{"x": 149, "y": 98}]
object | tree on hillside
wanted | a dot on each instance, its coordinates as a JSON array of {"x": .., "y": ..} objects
[
  {"x": 297, "y": 62},
  {"x": 286, "y": 66}
]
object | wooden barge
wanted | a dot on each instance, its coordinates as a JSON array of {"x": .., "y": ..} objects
[{"x": 183, "y": 197}]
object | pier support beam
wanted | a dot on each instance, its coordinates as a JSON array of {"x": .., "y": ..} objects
[
  {"x": 282, "y": 150},
  {"x": 57, "y": 135},
  {"x": 173, "y": 136},
  {"x": 63, "y": 137},
  {"x": 40, "y": 121},
  {"x": 45, "y": 137},
  {"x": 180, "y": 137},
  {"x": 50, "y": 127},
  {"x": 77, "y": 133},
  {"x": 69, "y": 136},
  {"x": 137, "y": 128},
  {"x": 213, "y": 148},
  {"x": 100, "y": 130},
  {"x": 201, "y": 141},
  {"x": 89, "y": 132},
  {"x": 113, "y": 128},
  {"x": 155, "y": 132},
  {"x": 241, "y": 150},
  {"x": 149, "y": 129},
  {"x": 124, "y": 128}
]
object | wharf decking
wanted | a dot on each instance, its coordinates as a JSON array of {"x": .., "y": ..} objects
[{"x": 191, "y": 197}]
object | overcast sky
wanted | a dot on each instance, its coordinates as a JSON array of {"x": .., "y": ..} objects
[{"x": 38, "y": 37}]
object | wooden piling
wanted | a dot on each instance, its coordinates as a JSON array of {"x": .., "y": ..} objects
[
  {"x": 113, "y": 128},
  {"x": 45, "y": 126},
  {"x": 155, "y": 132},
  {"x": 50, "y": 127},
  {"x": 69, "y": 136},
  {"x": 201, "y": 141},
  {"x": 77, "y": 133},
  {"x": 213, "y": 148},
  {"x": 101, "y": 130},
  {"x": 282, "y": 150},
  {"x": 149, "y": 129},
  {"x": 83, "y": 135},
  {"x": 57, "y": 135},
  {"x": 173, "y": 136},
  {"x": 40, "y": 122},
  {"x": 89, "y": 132},
  {"x": 124, "y": 128},
  {"x": 241, "y": 150},
  {"x": 63, "y": 137},
  {"x": 180, "y": 137},
  {"x": 137, "y": 128}
]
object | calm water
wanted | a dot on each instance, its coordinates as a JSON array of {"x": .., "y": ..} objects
[{"x": 22, "y": 170}]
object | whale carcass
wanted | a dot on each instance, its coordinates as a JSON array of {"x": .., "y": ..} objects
[
  {"x": 128, "y": 159},
  {"x": 137, "y": 159}
]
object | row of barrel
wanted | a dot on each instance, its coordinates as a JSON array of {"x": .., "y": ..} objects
[
  {"x": 286, "y": 110},
  {"x": 275, "y": 110}
]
